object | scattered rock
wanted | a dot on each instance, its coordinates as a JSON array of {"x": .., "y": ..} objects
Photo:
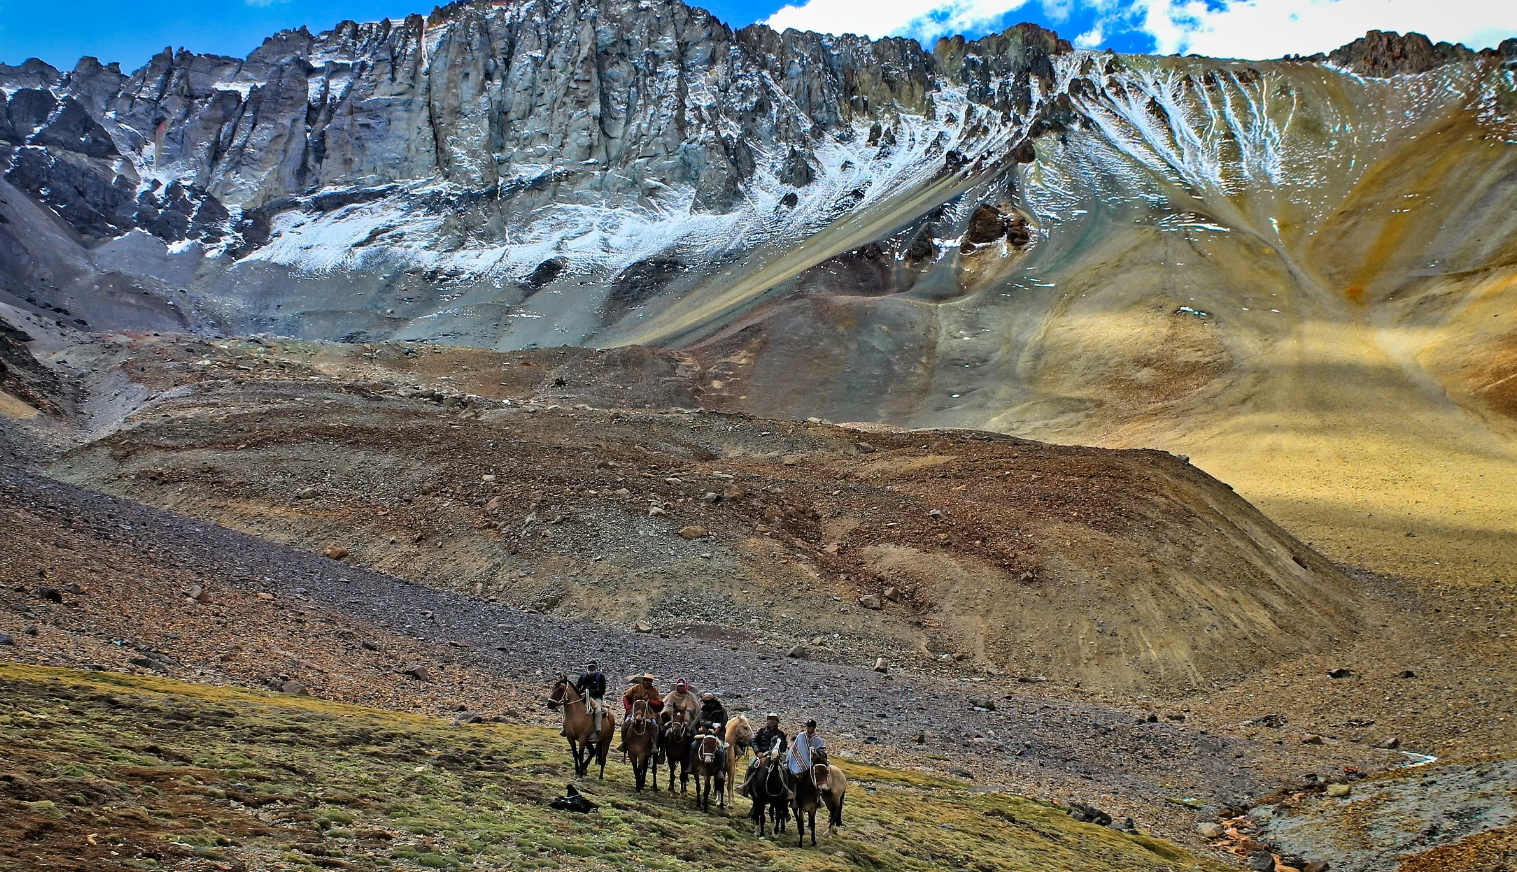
[
  {"x": 711, "y": 497},
  {"x": 306, "y": 493},
  {"x": 892, "y": 593},
  {"x": 293, "y": 686},
  {"x": 417, "y": 671},
  {"x": 1339, "y": 790},
  {"x": 197, "y": 594},
  {"x": 1311, "y": 739},
  {"x": 985, "y": 704},
  {"x": 694, "y": 531},
  {"x": 870, "y": 601},
  {"x": 52, "y": 594},
  {"x": 1315, "y": 866},
  {"x": 336, "y": 552},
  {"x": 263, "y": 595},
  {"x": 5, "y": 639},
  {"x": 1089, "y": 814},
  {"x": 935, "y": 514},
  {"x": 643, "y": 627},
  {"x": 921, "y": 738},
  {"x": 30, "y": 629},
  {"x": 468, "y": 718},
  {"x": 656, "y": 512},
  {"x": 1389, "y": 744},
  {"x": 1340, "y": 672},
  {"x": 1274, "y": 722},
  {"x": 1406, "y": 673},
  {"x": 1260, "y": 861},
  {"x": 1210, "y": 830},
  {"x": 864, "y": 447},
  {"x": 72, "y": 587},
  {"x": 799, "y": 652},
  {"x": 881, "y": 665},
  {"x": 368, "y": 646}
]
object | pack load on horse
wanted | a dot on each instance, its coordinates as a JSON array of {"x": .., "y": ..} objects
[
  {"x": 640, "y": 739},
  {"x": 642, "y": 689},
  {"x": 739, "y": 742},
  {"x": 765, "y": 782},
  {"x": 816, "y": 783},
  {"x": 587, "y": 742},
  {"x": 708, "y": 763}
]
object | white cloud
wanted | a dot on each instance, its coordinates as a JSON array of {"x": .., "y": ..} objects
[
  {"x": 1253, "y": 29},
  {"x": 1257, "y": 29},
  {"x": 924, "y": 19}
]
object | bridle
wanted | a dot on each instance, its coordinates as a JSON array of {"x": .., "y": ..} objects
[
  {"x": 640, "y": 717},
  {"x": 819, "y": 775},
  {"x": 568, "y": 693},
  {"x": 708, "y": 747}
]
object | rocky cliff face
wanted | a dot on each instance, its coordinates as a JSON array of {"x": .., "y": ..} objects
[{"x": 603, "y": 171}]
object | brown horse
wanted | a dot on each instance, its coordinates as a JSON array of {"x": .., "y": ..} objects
[
  {"x": 640, "y": 738},
  {"x": 822, "y": 784},
  {"x": 675, "y": 748},
  {"x": 708, "y": 763},
  {"x": 586, "y": 743},
  {"x": 739, "y": 738}
]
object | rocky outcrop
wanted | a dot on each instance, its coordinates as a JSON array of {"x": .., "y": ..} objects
[{"x": 1383, "y": 54}]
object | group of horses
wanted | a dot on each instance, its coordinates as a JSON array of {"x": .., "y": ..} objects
[{"x": 776, "y": 793}]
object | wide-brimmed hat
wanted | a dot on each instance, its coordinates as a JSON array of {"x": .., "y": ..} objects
[
  {"x": 646, "y": 676},
  {"x": 775, "y": 715}
]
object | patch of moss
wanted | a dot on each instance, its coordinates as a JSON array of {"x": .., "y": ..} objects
[{"x": 309, "y": 784}]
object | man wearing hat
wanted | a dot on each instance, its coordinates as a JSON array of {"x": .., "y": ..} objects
[
  {"x": 768, "y": 738},
  {"x": 713, "y": 713},
  {"x": 641, "y": 689}
]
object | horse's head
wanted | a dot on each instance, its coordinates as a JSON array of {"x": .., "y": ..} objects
[
  {"x": 560, "y": 692},
  {"x": 707, "y": 749},
  {"x": 819, "y": 774},
  {"x": 640, "y": 710},
  {"x": 739, "y": 731}
]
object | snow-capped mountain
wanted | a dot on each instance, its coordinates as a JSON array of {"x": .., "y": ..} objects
[{"x": 904, "y": 224}]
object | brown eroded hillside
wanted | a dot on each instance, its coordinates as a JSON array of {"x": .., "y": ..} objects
[{"x": 1121, "y": 570}]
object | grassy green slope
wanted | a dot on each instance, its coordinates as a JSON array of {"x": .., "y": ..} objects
[{"x": 102, "y": 771}]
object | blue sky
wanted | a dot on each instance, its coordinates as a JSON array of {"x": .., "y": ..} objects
[{"x": 131, "y": 32}]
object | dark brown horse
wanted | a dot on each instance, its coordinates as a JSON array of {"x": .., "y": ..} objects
[
  {"x": 767, "y": 789},
  {"x": 675, "y": 748},
  {"x": 587, "y": 743},
  {"x": 640, "y": 738},
  {"x": 708, "y": 763}
]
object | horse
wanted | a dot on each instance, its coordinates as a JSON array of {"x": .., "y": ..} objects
[
  {"x": 640, "y": 738},
  {"x": 816, "y": 787},
  {"x": 586, "y": 743},
  {"x": 768, "y": 791},
  {"x": 675, "y": 748},
  {"x": 739, "y": 738},
  {"x": 707, "y": 764}
]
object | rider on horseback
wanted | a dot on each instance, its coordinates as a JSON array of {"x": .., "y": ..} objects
[
  {"x": 643, "y": 690},
  {"x": 713, "y": 713},
  {"x": 806, "y": 747},
  {"x": 682, "y": 702},
  {"x": 592, "y": 685},
  {"x": 769, "y": 738}
]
